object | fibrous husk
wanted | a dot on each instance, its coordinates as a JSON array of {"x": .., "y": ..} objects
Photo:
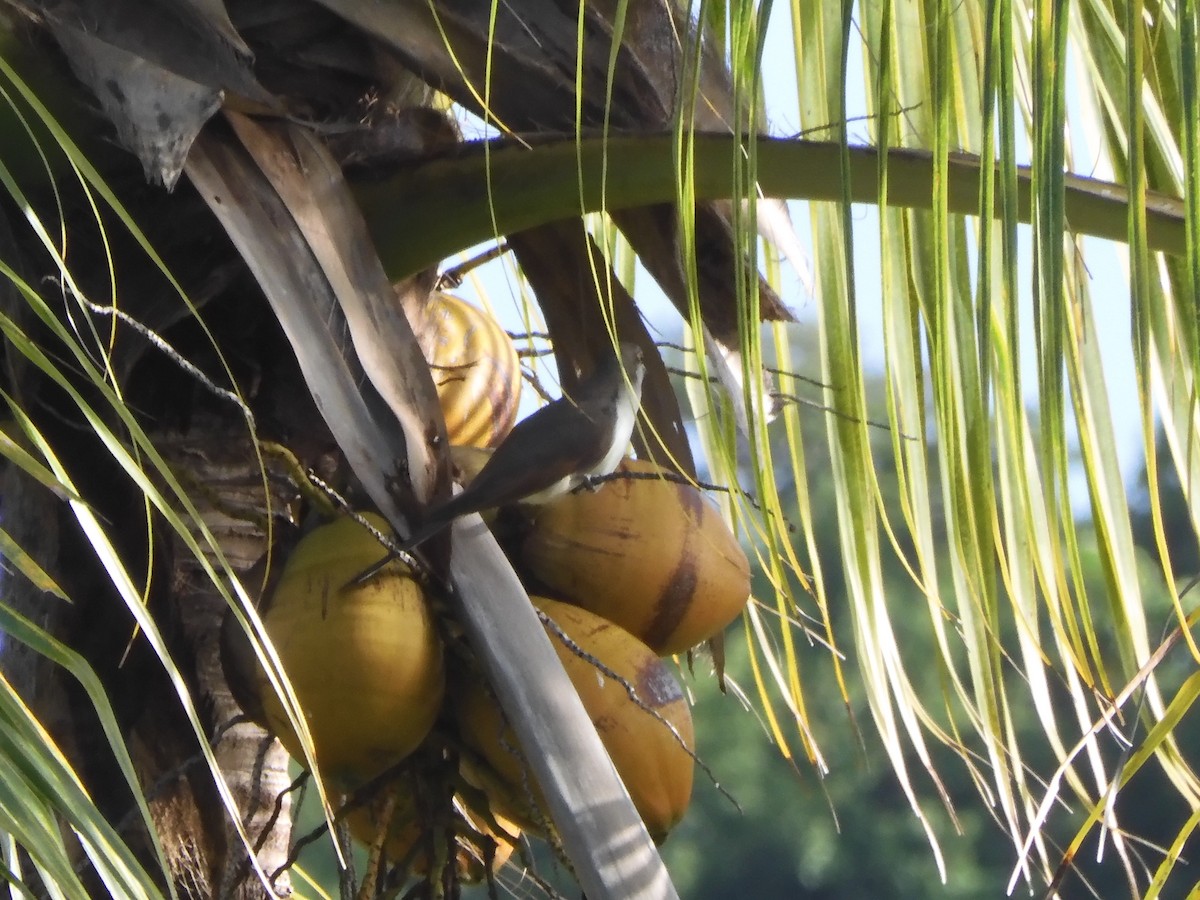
[
  {"x": 652, "y": 555},
  {"x": 652, "y": 757},
  {"x": 365, "y": 660}
]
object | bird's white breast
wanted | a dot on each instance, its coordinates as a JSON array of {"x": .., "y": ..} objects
[{"x": 628, "y": 401}]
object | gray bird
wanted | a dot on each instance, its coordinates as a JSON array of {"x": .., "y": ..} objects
[{"x": 551, "y": 452}]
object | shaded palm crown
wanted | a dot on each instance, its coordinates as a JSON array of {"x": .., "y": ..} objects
[{"x": 262, "y": 107}]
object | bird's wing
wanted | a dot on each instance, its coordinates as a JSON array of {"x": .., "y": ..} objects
[{"x": 556, "y": 441}]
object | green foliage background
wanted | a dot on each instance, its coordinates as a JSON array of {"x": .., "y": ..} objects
[{"x": 851, "y": 833}]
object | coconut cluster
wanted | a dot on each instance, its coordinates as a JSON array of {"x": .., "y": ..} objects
[{"x": 640, "y": 568}]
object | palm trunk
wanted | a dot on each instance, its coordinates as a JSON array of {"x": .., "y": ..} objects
[
  {"x": 205, "y": 856},
  {"x": 255, "y": 765}
]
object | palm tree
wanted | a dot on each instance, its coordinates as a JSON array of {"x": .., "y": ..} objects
[{"x": 168, "y": 351}]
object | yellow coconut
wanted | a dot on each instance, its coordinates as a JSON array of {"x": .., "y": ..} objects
[
  {"x": 476, "y": 370},
  {"x": 410, "y": 840},
  {"x": 365, "y": 661},
  {"x": 651, "y": 760},
  {"x": 653, "y": 556}
]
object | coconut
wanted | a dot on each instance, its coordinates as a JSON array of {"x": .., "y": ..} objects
[
  {"x": 475, "y": 369},
  {"x": 651, "y": 555},
  {"x": 364, "y": 660},
  {"x": 649, "y": 740}
]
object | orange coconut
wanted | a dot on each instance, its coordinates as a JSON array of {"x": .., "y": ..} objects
[
  {"x": 654, "y": 762},
  {"x": 653, "y": 556},
  {"x": 475, "y": 369}
]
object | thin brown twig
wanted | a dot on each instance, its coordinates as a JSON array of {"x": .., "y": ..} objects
[
  {"x": 870, "y": 423},
  {"x": 418, "y": 570},
  {"x": 772, "y": 369},
  {"x": 534, "y": 352},
  {"x": 594, "y": 481},
  {"x": 637, "y": 701},
  {"x": 536, "y": 384},
  {"x": 785, "y": 373},
  {"x": 455, "y": 275}
]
